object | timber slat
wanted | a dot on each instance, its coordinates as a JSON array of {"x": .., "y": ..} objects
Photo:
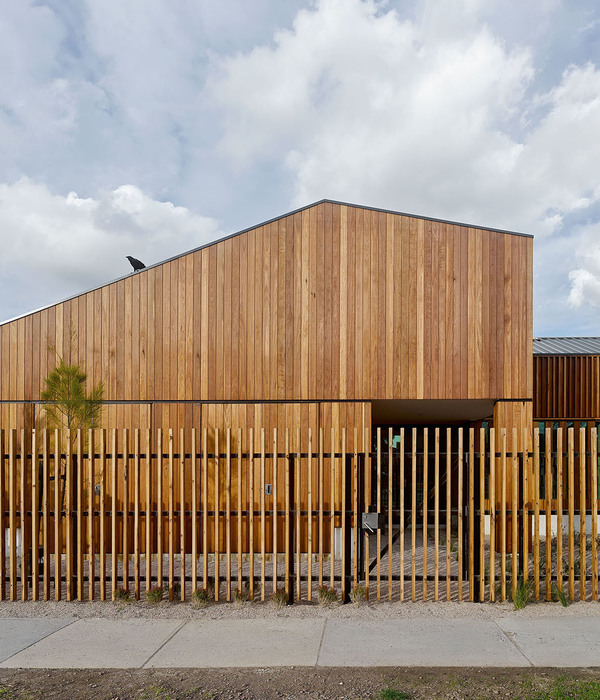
[
  {"x": 49, "y": 497},
  {"x": 548, "y": 509},
  {"x": 23, "y": 514},
  {"x": 594, "y": 499},
  {"x": 436, "y": 516},
  {"x": 2, "y": 511},
  {"x": 448, "y": 510},
  {"x": 125, "y": 508},
  {"x": 390, "y": 511},
  {"x": 471, "y": 514},
  {"x": 425, "y": 495},
  {"x": 582, "y": 517},
  {"x": 12, "y": 516},
  {"x": 102, "y": 523},
  {"x": 413, "y": 525},
  {"x": 536, "y": 513},
  {"x": 571, "y": 516},
  {"x": 35, "y": 517},
  {"x": 182, "y": 509},
  {"x": 136, "y": 514}
]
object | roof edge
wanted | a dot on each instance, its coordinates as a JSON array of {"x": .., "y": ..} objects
[{"x": 555, "y": 351}]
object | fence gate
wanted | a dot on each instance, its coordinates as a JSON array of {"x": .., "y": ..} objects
[{"x": 420, "y": 514}]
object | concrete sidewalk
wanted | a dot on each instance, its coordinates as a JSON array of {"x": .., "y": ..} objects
[{"x": 152, "y": 643}]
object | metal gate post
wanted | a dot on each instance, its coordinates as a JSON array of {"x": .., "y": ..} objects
[
  {"x": 361, "y": 508},
  {"x": 347, "y": 543},
  {"x": 290, "y": 559},
  {"x": 520, "y": 519}
]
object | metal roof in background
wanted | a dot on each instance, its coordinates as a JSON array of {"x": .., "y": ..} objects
[{"x": 566, "y": 346}]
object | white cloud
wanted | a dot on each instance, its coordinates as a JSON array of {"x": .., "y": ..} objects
[
  {"x": 476, "y": 110},
  {"x": 585, "y": 277},
  {"x": 366, "y": 106},
  {"x": 585, "y": 288},
  {"x": 99, "y": 93},
  {"x": 436, "y": 113},
  {"x": 69, "y": 244},
  {"x": 375, "y": 107}
]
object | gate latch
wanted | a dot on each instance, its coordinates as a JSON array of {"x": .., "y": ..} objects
[{"x": 371, "y": 522}]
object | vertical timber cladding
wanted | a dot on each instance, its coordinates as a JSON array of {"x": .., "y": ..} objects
[
  {"x": 566, "y": 386},
  {"x": 330, "y": 303},
  {"x": 513, "y": 419},
  {"x": 318, "y": 418}
]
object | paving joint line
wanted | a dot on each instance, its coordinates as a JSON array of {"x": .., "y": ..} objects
[
  {"x": 514, "y": 643},
  {"x": 167, "y": 640},
  {"x": 325, "y": 621},
  {"x": 77, "y": 619}
]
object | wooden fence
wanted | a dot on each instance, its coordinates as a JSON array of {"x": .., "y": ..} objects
[{"x": 427, "y": 513}]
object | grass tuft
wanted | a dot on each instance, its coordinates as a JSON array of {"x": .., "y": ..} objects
[
  {"x": 358, "y": 594},
  {"x": 393, "y": 694},
  {"x": 558, "y": 594},
  {"x": 123, "y": 595},
  {"x": 279, "y": 598},
  {"x": 327, "y": 596},
  {"x": 155, "y": 595},
  {"x": 241, "y": 597},
  {"x": 523, "y": 594},
  {"x": 200, "y": 598}
]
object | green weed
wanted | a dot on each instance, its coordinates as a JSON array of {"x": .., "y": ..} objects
[
  {"x": 393, "y": 694},
  {"x": 327, "y": 595},
  {"x": 523, "y": 594},
  {"x": 279, "y": 598},
  {"x": 155, "y": 595},
  {"x": 558, "y": 594},
  {"x": 563, "y": 687},
  {"x": 358, "y": 594},
  {"x": 241, "y": 597},
  {"x": 123, "y": 595},
  {"x": 200, "y": 598}
]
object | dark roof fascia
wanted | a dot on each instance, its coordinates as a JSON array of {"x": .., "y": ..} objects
[
  {"x": 417, "y": 216},
  {"x": 252, "y": 228}
]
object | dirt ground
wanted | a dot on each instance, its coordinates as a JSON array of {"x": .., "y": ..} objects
[
  {"x": 319, "y": 683},
  {"x": 285, "y": 683}
]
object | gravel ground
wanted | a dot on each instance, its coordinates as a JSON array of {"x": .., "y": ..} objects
[{"x": 249, "y": 610}]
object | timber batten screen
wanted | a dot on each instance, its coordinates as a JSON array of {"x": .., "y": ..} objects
[
  {"x": 566, "y": 386},
  {"x": 141, "y": 528}
]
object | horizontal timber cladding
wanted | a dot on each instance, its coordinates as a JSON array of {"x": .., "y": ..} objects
[
  {"x": 330, "y": 303},
  {"x": 566, "y": 386}
]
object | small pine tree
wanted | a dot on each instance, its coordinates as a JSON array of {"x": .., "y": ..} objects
[
  {"x": 69, "y": 407},
  {"x": 66, "y": 403},
  {"x": 65, "y": 400}
]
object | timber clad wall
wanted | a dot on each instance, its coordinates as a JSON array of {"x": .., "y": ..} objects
[
  {"x": 566, "y": 386},
  {"x": 327, "y": 304}
]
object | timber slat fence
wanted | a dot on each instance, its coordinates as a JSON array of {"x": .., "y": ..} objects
[{"x": 398, "y": 514}]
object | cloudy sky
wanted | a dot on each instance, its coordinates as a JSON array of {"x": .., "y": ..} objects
[{"x": 149, "y": 127}]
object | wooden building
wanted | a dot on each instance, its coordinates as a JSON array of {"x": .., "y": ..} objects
[
  {"x": 567, "y": 396},
  {"x": 333, "y": 315},
  {"x": 566, "y": 379}
]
